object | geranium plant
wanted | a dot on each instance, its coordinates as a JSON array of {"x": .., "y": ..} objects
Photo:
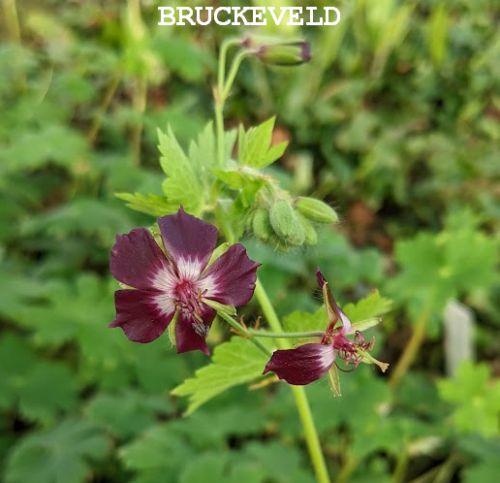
[{"x": 175, "y": 277}]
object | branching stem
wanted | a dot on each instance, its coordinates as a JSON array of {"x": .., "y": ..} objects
[
  {"x": 221, "y": 91},
  {"x": 285, "y": 335}
]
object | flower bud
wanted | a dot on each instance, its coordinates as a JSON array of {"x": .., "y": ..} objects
[
  {"x": 261, "y": 226},
  {"x": 286, "y": 224},
  {"x": 279, "y": 52},
  {"x": 311, "y": 237},
  {"x": 293, "y": 53},
  {"x": 316, "y": 210}
]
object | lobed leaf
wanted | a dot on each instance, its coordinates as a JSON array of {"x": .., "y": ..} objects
[{"x": 233, "y": 363}]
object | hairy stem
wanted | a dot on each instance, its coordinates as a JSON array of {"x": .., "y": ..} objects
[
  {"x": 219, "y": 128},
  {"x": 232, "y": 73},
  {"x": 303, "y": 407},
  {"x": 411, "y": 350},
  {"x": 244, "y": 331},
  {"x": 311, "y": 435},
  {"x": 285, "y": 335}
]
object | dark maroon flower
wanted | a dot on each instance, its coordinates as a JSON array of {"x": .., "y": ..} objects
[
  {"x": 309, "y": 362},
  {"x": 175, "y": 282}
]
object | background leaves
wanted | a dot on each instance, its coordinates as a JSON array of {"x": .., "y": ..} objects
[{"x": 396, "y": 128}]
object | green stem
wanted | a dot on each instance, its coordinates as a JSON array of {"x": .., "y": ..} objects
[
  {"x": 411, "y": 350},
  {"x": 285, "y": 335},
  {"x": 222, "y": 61},
  {"x": 310, "y": 432},
  {"x": 244, "y": 331},
  {"x": 219, "y": 129},
  {"x": 232, "y": 73},
  {"x": 222, "y": 91}
]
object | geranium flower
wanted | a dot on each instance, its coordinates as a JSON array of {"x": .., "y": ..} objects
[
  {"x": 174, "y": 280},
  {"x": 309, "y": 362}
]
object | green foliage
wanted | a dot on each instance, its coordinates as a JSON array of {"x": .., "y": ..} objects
[
  {"x": 183, "y": 185},
  {"x": 235, "y": 362},
  {"x": 371, "y": 307},
  {"x": 63, "y": 453},
  {"x": 255, "y": 148},
  {"x": 476, "y": 399},
  {"x": 438, "y": 267},
  {"x": 393, "y": 123}
]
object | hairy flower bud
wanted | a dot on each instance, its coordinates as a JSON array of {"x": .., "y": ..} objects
[
  {"x": 286, "y": 223},
  {"x": 316, "y": 210},
  {"x": 311, "y": 237},
  {"x": 279, "y": 52},
  {"x": 261, "y": 225},
  {"x": 287, "y": 53}
]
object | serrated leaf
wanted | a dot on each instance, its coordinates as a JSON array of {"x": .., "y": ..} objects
[
  {"x": 126, "y": 414},
  {"x": 156, "y": 453},
  {"x": 47, "y": 391},
  {"x": 299, "y": 321},
  {"x": 62, "y": 453},
  {"x": 80, "y": 216},
  {"x": 203, "y": 151},
  {"x": 182, "y": 185},
  {"x": 365, "y": 313},
  {"x": 476, "y": 398},
  {"x": 254, "y": 145},
  {"x": 438, "y": 267},
  {"x": 150, "y": 204},
  {"x": 370, "y": 307},
  {"x": 233, "y": 363}
]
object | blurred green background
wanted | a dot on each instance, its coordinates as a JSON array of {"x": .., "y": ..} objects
[{"x": 395, "y": 122}]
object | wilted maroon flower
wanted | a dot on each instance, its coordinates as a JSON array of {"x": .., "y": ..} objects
[
  {"x": 177, "y": 281},
  {"x": 309, "y": 362}
]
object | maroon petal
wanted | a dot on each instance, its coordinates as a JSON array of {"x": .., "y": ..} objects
[
  {"x": 301, "y": 365},
  {"x": 136, "y": 258},
  {"x": 231, "y": 278},
  {"x": 189, "y": 240},
  {"x": 190, "y": 333},
  {"x": 142, "y": 315}
]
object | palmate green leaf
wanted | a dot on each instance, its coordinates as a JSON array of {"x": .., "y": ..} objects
[
  {"x": 157, "y": 455},
  {"x": 128, "y": 413},
  {"x": 56, "y": 144},
  {"x": 150, "y": 204},
  {"x": 81, "y": 216},
  {"x": 16, "y": 361},
  {"x": 476, "y": 398},
  {"x": 437, "y": 267},
  {"x": 182, "y": 55},
  {"x": 233, "y": 363},
  {"x": 255, "y": 148},
  {"x": 61, "y": 454},
  {"x": 42, "y": 390},
  {"x": 182, "y": 185},
  {"x": 203, "y": 150},
  {"x": 47, "y": 391},
  {"x": 369, "y": 307}
]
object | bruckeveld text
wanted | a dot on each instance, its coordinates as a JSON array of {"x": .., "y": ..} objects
[{"x": 249, "y": 16}]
